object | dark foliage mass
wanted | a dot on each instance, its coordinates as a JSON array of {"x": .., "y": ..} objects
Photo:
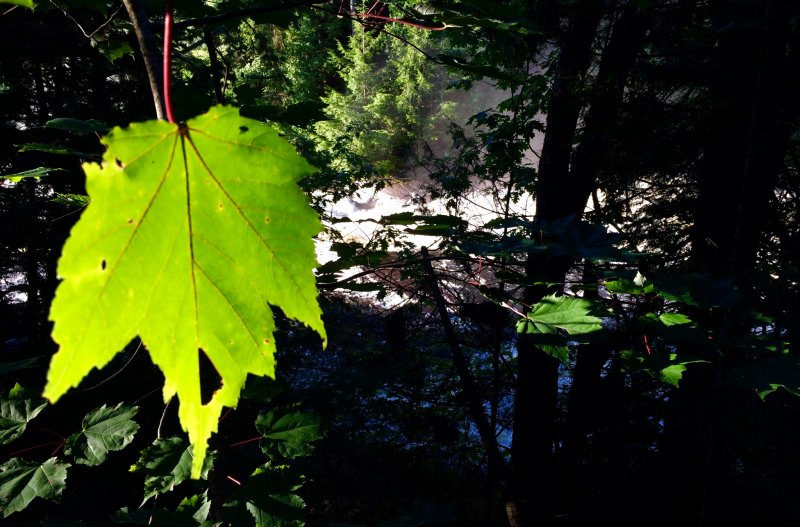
[{"x": 560, "y": 276}]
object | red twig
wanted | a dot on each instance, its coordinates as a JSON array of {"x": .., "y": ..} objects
[
  {"x": 240, "y": 443},
  {"x": 34, "y": 447},
  {"x": 646, "y": 344},
  {"x": 167, "y": 58},
  {"x": 397, "y": 21},
  {"x": 48, "y": 431},
  {"x": 225, "y": 415},
  {"x": 234, "y": 480}
]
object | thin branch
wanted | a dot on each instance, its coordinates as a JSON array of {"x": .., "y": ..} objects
[
  {"x": 107, "y": 22},
  {"x": 470, "y": 391},
  {"x": 127, "y": 363},
  {"x": 144, "y": 36},
  {"x": 163, "y": 415},
  {"x": 85, "y": 34},
  {"x": 409, "y": 43},
  {"x": 399, "y": 21}
]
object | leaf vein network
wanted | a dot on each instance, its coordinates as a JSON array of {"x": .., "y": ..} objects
[
  {"x": 229, "y": 303},
  {"x": 252, "y": 227}
]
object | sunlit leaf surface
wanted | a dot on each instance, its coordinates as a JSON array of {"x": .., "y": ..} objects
[{"x": 192, "y": 232}]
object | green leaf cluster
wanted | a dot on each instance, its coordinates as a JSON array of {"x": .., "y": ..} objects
[{"x": 104, "y": 430}]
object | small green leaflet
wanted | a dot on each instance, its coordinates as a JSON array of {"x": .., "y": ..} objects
[
  {"x": 561, "y": 312},
  {"x": 104, "y": 430},
  {"x": 16, "y": 412},
  {"x": 198, "y": 506},
  {"x": 546, "y": 321},
  {"x": 34, "y": 173},
  {"x": 268, "y": 497},
  {"x": 288, "y": 435},
  {"x": 22, "y": 481},
  {"x": 77, "y": 126},
  {"x": 191, "y": 233},
  {"x": 166, "y": 464}
]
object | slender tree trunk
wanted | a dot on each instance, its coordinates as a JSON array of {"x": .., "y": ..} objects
[
  {"x": 538, "y": 372},
  {"x": 617, "y": 59},
  {"x": 554, "y": 189},
  {"x": 147, "y": 49},
  {"x": 216, "y": 78},
  {"x": 581, "y": 412},
  {"x": 765, "y": 137},
  {"x": 41, "y": 97},
  {"x": 474, "y": 400},
  {"x": 624, "y": 45}
]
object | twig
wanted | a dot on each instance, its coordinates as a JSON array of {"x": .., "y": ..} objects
[
  {"x": 399, "y": 21},
  {"x": 470, "y": 390},
  {"x": 107, "y": 22},
  {"x": 127, "y": 363},
  {"x": 85, "y": 34},
  {"x": 163, "y": 415}
]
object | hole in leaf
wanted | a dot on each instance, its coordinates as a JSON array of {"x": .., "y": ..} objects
[
  {"x": 266, "y": 220},
  {"x": 119, "y": 163},
  {"x": 210, "y": 381},
  {"x": 103, "y": 265},
  {"x": 130, "y": 222},
  {"x": 243, "y": 129},
  {"x": 266, "y": 341}
]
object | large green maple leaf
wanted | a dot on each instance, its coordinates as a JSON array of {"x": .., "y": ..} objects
[{"x": 191, "y": 233}]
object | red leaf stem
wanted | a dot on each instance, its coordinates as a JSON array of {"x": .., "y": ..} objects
[{"x": 167, "y": 59}]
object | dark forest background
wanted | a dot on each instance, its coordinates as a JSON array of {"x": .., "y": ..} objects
[{"x": 588, "y": 313}]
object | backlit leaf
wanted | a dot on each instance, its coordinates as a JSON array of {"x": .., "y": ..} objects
[
  {"x": 191, "y": 233},
  {"x": 23, "y": 3},
  {"x": 563, "y": 312},
  {"x": 556, "y": 321}
]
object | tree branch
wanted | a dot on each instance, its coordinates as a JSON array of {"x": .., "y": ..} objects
[
  {"x": 241, "y": 13},
  {"x": 470, "y": 391},
  {"x": 145, "y": 38}
]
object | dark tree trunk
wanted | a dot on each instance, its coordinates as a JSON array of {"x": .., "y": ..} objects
[
  {"x": 538, "y": 373},
  {"x": 755, "y": 86},
  {"x": 594, "y": 148},
  {"x": 474, "y": 400},
  {"x": 563, "y": 110},
  {"x": 216, "y": 78}
]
